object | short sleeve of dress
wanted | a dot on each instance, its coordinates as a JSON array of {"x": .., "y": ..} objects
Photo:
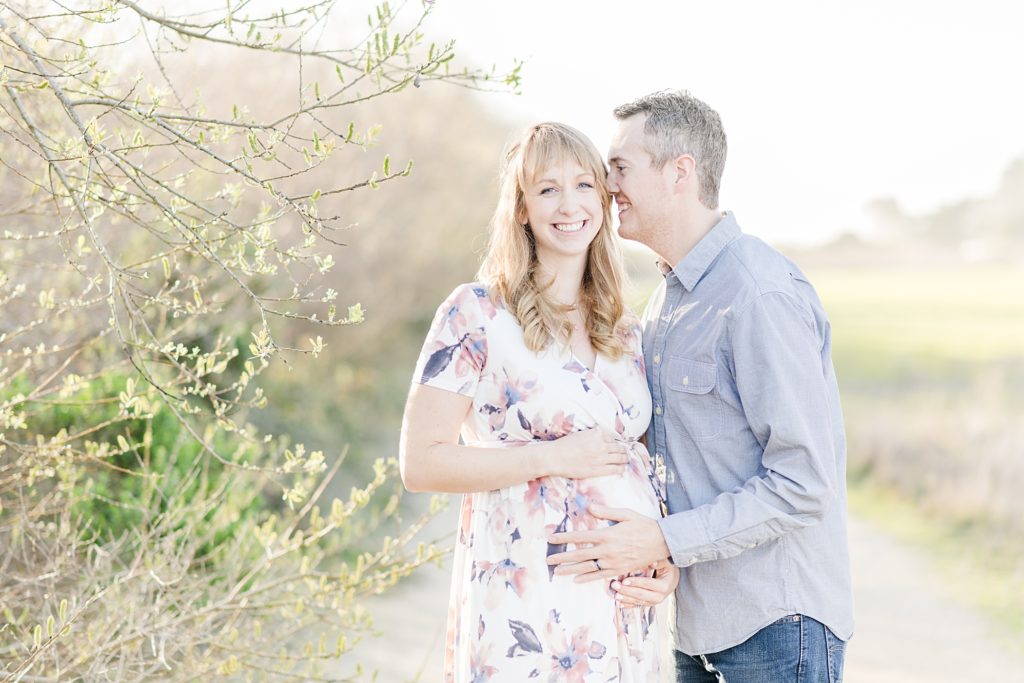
[{"x": 455, "y": 351}]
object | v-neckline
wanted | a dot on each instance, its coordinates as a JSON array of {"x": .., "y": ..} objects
[{"x": 592, "y": 369}]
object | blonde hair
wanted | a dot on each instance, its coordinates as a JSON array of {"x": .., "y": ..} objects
[{"x": 509, "y": 269}]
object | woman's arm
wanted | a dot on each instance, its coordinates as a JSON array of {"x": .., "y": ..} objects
[{"x": 432, "y": 459}]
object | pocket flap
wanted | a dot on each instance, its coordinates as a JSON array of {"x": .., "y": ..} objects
[{"x": 691, "y": 376}]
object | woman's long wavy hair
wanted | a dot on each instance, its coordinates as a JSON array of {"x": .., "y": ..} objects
[{"x": 510, "y": 268}]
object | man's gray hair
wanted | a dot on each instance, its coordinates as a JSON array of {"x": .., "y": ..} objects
[{"x": 678, "y": 123}]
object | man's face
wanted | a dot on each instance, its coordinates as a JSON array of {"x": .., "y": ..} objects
[{"x": 642, "y": 193}]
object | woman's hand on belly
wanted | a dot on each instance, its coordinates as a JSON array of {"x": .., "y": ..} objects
[{"x": 585, "y": 454}]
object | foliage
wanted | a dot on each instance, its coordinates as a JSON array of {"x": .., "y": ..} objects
[{"x": 156, "y": 247}]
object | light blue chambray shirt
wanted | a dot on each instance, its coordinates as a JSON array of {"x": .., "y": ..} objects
[{"x": 748, "y": 424}]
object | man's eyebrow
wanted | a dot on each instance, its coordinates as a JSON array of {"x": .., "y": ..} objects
[{"x": 612, "y": 160}]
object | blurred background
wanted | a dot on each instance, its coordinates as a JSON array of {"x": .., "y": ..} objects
[{"x": 878, "y": 144}]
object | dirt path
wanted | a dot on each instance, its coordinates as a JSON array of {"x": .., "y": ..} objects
[{"x": 910, "y": 628}]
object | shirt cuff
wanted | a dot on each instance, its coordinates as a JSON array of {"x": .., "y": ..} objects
[{"x": 686, "y": 535}]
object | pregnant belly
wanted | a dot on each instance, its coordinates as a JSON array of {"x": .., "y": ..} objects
[{"x": 544, "y": 505}]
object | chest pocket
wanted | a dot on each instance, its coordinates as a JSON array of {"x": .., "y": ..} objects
[{"x": 694, "y": 398}]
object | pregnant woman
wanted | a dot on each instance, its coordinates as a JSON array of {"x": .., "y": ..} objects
[{"x": 539, "y": 366}]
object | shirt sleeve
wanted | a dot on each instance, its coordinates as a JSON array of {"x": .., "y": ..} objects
[
  {"x": 777, "y": 359},
  {"x": 455, "y": 350}
]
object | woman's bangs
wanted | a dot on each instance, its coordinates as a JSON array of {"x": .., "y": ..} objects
[{"x": 549, "y": 148}]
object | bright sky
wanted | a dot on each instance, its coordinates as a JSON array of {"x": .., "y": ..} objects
[{"x": 827, "y": 104}]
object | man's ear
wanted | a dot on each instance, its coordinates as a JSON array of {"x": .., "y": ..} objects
[{"x": 685, "y": 168}]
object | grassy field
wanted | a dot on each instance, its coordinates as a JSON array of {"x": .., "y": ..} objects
[
  {"x": 889, "y": 322},
  {"x": 931, "y": 364}
]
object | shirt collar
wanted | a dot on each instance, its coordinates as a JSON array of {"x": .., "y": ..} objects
[{"x": 692, "y": 267}]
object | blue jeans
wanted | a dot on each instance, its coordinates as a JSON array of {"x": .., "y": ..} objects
[{"x": 794, "y": 649}]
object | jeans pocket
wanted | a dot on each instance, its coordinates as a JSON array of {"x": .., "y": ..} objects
[{"x": 835, "y": 649}]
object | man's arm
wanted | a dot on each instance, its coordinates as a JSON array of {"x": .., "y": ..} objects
[{"x": 776, "y": 356}]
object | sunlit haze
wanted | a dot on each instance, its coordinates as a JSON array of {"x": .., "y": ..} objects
[{"x": 827, "y": 105}]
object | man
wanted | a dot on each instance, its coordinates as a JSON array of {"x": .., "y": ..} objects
[{"x": 746, "y": 420}]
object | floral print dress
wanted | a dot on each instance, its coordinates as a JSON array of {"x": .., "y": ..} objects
[{"x": 510, "y": 618}]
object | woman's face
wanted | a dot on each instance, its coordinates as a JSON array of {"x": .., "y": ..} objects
[{"x": 563, "y": 208}]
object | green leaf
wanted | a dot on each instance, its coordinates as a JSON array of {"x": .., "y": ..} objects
[{"x": 387, "y": 164}]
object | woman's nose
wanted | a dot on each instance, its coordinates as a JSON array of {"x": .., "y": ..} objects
[{"x": 569, "y": 201}]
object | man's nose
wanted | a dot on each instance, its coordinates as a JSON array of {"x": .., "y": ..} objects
[{"x": 613, "y": 184}]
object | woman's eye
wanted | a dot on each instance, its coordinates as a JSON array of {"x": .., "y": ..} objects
[
  {"x": 587, "y": 186},
  {"x": 547, "y": 190}
]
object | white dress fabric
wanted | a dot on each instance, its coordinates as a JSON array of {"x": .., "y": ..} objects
[{"x": 510, "y": 618}]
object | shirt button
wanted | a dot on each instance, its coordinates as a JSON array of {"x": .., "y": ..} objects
[
  {"x": 657, "y": 358},
  {"x": 657, "y": 410}
]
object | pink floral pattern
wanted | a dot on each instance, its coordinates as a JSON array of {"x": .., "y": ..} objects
[{"x": 510, "y": 618}]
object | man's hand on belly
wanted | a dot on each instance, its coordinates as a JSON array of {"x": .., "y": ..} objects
[{"x": 631, "y": 545}]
